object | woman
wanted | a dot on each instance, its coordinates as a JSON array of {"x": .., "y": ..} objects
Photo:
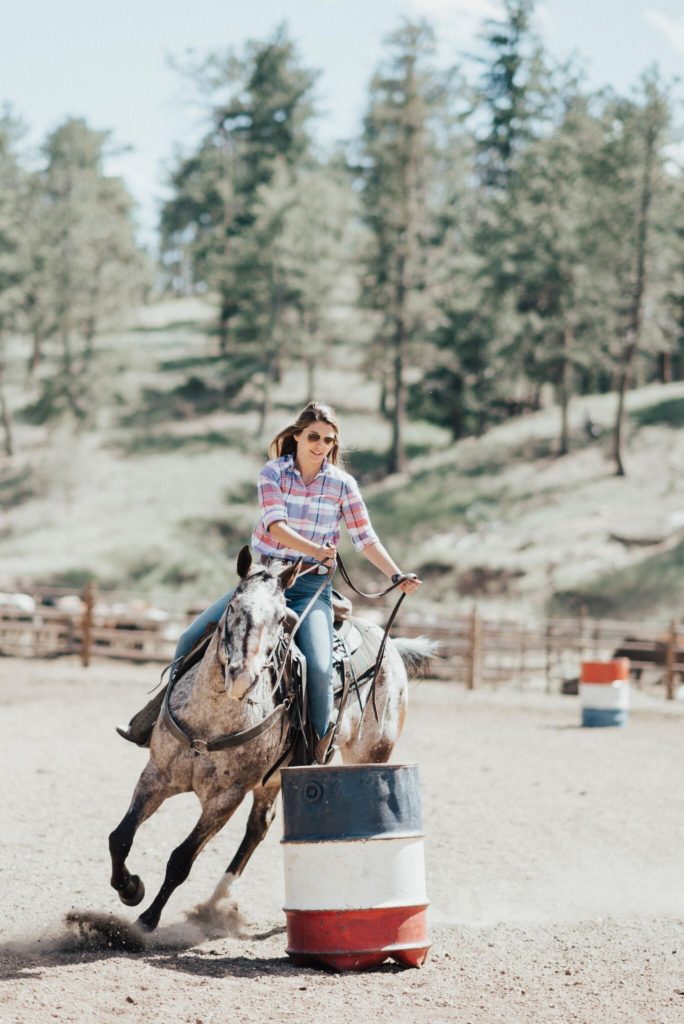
[{"x": 303, "y": 495}]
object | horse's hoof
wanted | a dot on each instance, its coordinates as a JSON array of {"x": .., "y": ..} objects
[
  {"x": 133, "y": 892},
  {"x": 145, "y": 924}
]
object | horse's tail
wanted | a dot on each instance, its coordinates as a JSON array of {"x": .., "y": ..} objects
[{"x": 416, "y": 654}]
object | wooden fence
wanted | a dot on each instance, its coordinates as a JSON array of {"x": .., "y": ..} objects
[
  {"x": 544, "y": 653},
  {"x": 93, "y": 624},
  {"x": 547, "y": 653}
]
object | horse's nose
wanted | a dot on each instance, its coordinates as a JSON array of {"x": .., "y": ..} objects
[{"x": 235, "y": 668}]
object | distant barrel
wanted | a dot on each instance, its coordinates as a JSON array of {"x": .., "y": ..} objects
[
  {"x": 354, "y": 866},
  {"x": 604, "y": 692}
]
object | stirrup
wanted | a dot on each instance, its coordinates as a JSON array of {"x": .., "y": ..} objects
[{"x": 325, "y": 749}]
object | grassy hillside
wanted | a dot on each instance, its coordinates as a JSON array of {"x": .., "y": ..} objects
[
  {"x": 511, "y": 524},
  {"x": 158, "y": 497}
]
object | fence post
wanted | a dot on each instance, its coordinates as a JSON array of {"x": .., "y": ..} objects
[
  {"x": 549, "y": 652},
  {"x": 670, "y": 661},
  {"x": 522, "y": 650},
  {"x": 87, "y": 623},
  {"x": 474, "y": 650},
  {"x": 582, "y": 629}
]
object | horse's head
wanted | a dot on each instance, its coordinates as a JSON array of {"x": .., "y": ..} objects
[{"x": 252, "y": 622}]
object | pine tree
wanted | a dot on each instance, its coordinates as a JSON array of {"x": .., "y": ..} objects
[
  {"x": 636, "y": 244},
  {"x": 510, "y": 92},
  {"x": 549, "y": 245},
  {"x": 475, "y": 377},
  {"x": 87, "y": 269},
  {"x": 321, "y": 237},
  {"x": 258, "y": 106},
  {"x": 406, "y": 113}
]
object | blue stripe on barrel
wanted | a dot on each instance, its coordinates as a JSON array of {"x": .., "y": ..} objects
[
  {"x": 595, "y": 717},
  {"x": 351, "y": 802}
]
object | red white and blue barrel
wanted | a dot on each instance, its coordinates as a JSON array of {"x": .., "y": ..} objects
[
  {"x": 604, "y": 692},
  {"x": 353, "y": 848}
]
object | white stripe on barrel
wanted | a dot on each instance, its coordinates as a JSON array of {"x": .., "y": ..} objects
[
  {"x": 359, "y": 874},
  {"x": 354, "y": 866}
]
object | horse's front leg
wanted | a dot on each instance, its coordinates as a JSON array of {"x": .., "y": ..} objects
[
  {"x": 258, "y": 823},
  {"x": 215, "y": 813},
  {"x": 149, "y": 794}
]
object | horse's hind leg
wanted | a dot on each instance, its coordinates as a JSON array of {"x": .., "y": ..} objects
[
  {"x": 258, "y": 823},
  {"x": 149, "y": 794},
  {"x": 215, "y": 813},
  {"x": 372, "y": 741}
]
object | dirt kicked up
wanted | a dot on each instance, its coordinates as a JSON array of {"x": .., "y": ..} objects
[{"x": 555, "y": 869}]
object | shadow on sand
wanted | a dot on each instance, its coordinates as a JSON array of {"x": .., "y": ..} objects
[{"x": 90, "y": 936}]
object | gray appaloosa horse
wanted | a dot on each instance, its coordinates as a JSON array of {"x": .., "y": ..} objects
[{"x": 230, "y": 691}]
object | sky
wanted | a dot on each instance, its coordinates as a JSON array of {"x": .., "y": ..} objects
[{"x": 109, "y": 61}]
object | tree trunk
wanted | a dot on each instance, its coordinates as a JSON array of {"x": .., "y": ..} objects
[
  {"x": 69, "y": 379},
  {"x": 396, "y": 462},
  {"x": 36, "y": 356},
  {"x": 224, "y": 328},
  {"x": 636, "y": 312},
  {"x": 382, "y": 405},
  {"x": 271, "y": 359},
  {"x": 622, "y": 389},
  {"x": 564, "y": 392},
  {"x": 665, "y": 367},
  {"x": 6, "y": 423},
  {"x": 5, "y": 415}
]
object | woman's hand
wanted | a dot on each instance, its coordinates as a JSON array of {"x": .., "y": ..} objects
[
  {"x": 408, "y": 581},
  {"x": 327, "y": 553}
]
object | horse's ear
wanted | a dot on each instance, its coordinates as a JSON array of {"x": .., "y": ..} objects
[
  {"x": 289, "y": 574},
  {"x": 244, "y": 562}
]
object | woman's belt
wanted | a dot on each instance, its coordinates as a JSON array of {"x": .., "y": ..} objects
[{"x": 313, "y": 567}]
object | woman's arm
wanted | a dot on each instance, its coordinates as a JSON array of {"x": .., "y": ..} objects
[
  {"x": 378, "y": 556},
  {"x": 289, "y": 538},
  {"x": 366, "y": 540}
]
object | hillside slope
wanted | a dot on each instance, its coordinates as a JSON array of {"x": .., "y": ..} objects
[
  {"x": 503, "y": 519},
  {"x": 159, "y": 496}
]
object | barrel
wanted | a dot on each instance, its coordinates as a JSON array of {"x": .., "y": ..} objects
[
  {"x": 353, "y": 847},
  {"x": 604, "y": 692}
]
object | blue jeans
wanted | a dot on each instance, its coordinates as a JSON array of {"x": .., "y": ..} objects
[{"x": 314, "y": 639}]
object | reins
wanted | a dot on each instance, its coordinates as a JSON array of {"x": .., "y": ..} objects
[{"x": 390, "y": 622}]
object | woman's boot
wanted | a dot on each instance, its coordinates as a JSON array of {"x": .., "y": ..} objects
[{"x": 139, "y": 729}]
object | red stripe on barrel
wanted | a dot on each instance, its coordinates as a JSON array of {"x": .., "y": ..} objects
[
  {"x": 358, "y": 939},
  {"x": 605, "y": 671}
]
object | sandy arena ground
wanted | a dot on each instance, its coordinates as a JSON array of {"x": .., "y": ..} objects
[{"x": 555, "y": 863}]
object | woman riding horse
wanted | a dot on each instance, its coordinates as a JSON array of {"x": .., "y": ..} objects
[{"x": 303, "y": 494}]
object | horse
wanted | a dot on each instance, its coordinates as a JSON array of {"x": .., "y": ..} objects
[{"x": 230, "y": 690}]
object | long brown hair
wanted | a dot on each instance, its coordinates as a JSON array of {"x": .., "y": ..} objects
[{"x": 284, "y": 443}]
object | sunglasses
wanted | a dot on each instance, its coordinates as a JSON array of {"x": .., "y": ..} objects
[{"x": 313, "y": 437}]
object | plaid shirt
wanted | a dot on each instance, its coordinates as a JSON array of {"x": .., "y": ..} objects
[{"x": 314, "y": 510}]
